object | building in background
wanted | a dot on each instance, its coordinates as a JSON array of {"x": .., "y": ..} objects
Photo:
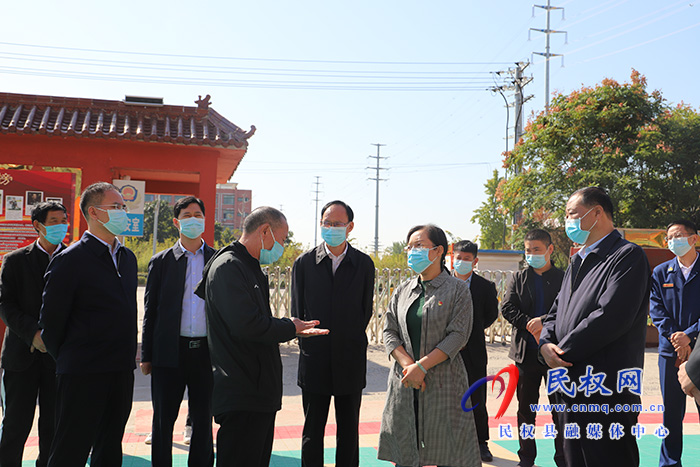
[{"x": 232, "y": 204}]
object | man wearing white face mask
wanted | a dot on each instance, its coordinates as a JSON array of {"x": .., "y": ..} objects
[
  {"x": 595, "y": 332},
  {"x": 333, "y": 283},
  {"x": 675, "y": 311},
  {"x": 88, "y": 317},
  {"x": 485, "y": 300},
  {"x": 244, "y": 338},
  {"x": 526, "y": 302},
  {"x": 174, "y": 348}
]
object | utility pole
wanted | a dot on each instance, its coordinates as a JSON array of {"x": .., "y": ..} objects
[
  {"x": 376, "y": 212},
  {"x": 156, "y": 211},
  {"x": 316, "y": 192},
  {"x": 547, "y": 54}
]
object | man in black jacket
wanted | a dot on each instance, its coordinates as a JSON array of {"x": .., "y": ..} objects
[
  {"x": 334, "y": 284},
  {"x": 28, "y": 370},
  {"x": 485, "y": 301},
  {"x": 244, "y": 340},
  {"x": 529, "y": 296},
  {"x": 594, "y": 335},
  {"x": 174, "y": 347},
  {"x": 88, "y": 317}
]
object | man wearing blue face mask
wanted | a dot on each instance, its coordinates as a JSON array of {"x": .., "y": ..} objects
[
  {"x": 174, "y": 349},
  {"x": 675, "y": 311},
  {"x": 28, "y": 371},
  {"x": 88, "y": 318},
  {"x": 334, "y": 284},
  {"x": 244, "y": 338},
  {"x": 528, "y": 298},
  {"x": 485, "y": 300},
  {"x": 595, "y": 333}
]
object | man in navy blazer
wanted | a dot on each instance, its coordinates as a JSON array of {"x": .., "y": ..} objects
[
  {"x": 174, "y": 349},
  {"x": 485, "y": 306},
  {"x": 28, "y": 370},
  {"x": 88, "y": 319},
  {"x": 594, "y": 335},
  {"x": 675, "y": 311}
]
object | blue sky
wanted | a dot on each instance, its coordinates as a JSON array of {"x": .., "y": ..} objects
[{"x": 442, "y": 141}]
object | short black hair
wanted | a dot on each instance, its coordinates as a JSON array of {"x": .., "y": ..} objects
[
  {"x": 41, "y": 211},
  {"x": 435, "y": 234},
  {"x": 263, "y": 215},
  {"x": 595, "y": 196},
  {"x": 92, "y": 195},
  {"x": 182, "y": 203},
  {"x": 348, "y": 210},
  {"x": 466, "y": 246},
  {"x": 689, "y": 225},
  {"x": 539, "y": 235}
]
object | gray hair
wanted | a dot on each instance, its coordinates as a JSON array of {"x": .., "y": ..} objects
[{"x": 263, "y": 215}]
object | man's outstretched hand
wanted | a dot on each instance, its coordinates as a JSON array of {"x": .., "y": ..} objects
[{"x": 308, "y": 328}]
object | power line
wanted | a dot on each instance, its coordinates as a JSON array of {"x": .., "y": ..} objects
[{"x": 547, "y": 54}]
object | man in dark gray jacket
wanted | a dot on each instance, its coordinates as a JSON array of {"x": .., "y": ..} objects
[
  {"x": 244, "y": 340},
  {"x": 594, "y": 335},
  {"x": 333, "y": 283},
  {"x": 527, "y": 300}
]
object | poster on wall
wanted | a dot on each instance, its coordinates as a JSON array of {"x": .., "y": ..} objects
[
  {"x": 134, "y": 194},
  {"x": 20, "y": 192}
]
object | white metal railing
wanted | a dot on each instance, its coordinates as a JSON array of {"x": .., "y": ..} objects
[{"x": 385, "y": 282}]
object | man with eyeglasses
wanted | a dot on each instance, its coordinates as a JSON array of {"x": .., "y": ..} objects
[
  {"x": 174, "y": 349},
  {"x": 28, "y": 371},
  {"x": 88, "y": 319},
  {"x": 334, "y": 284},
  {"x": 675, "y": 311}
]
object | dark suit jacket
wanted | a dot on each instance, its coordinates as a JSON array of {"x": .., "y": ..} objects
[
  {"x": 21, "y": 286},
  {"x": 692, "y": 367},
  {"x": 599, "y": 317},
  {"x": 163, "y": 306},
  {"x": 674, "y": 304},
  {"x": 518, "y": 305},
  {"x": 243, "y": 335},
  {"x": 89, "y": 310},
  {"x": 485, "y": 301},
  {"x": 336, "y": 363}
]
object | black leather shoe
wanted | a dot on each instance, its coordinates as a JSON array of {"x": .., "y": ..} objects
[{"x": 486, "y": 455}]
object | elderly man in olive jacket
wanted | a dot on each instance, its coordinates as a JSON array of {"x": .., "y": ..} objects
[{"x": 333, "y": 283}]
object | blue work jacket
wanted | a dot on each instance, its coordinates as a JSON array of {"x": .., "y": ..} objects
[{"x": 675, "y": 303}]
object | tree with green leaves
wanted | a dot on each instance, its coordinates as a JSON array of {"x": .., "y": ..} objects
[
  {"x": 490, "y": 216},
  {"x": 619, "y": 137},
  {"x": 166, "y": 228}
]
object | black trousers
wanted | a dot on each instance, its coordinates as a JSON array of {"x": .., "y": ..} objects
[
  {"x": 167, "y": 388},
  {"x": 91, "y": 412},
  {"x": 531, "y": 374},
  {"x": 586, "y": 452},
  {"x": 347, "y": 417},
  {"x": 476, "y": 371},
  {"x": 245, "y": 439},
  {"x": 20, "y": 390}
]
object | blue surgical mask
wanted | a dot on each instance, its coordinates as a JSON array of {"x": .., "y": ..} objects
[
  {"x": 333, "y": 236},
  {"x": 463, "y": 267},
  {"x": 679, "y": 245},
  {"x": 536, "y": 261},
  {"x": 575, "y": 232},
  {"x": 192, "y": 227},
  {"x": 418, "y": 259},
  {"x": 118, "y": 220},
  {"x": 55, "y": 233},
  {"x": 272, "y": 255}
]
